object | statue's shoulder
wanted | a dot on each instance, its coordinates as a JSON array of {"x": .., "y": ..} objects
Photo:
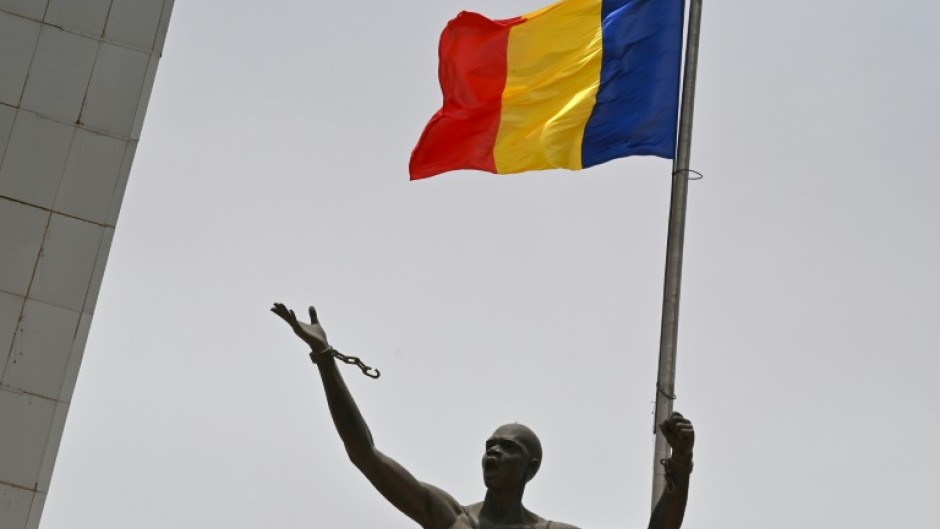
[{"x": 442, "y": 494}]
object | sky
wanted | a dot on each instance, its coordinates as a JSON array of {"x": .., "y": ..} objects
[{"x": 273, "y": 167}]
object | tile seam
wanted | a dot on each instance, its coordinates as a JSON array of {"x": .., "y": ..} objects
[
  {"x": 18, "y": 486},
  {"x": 82, "y": 126},
  {"x": 53, "y": 210},
  {"x": 102, "y": 38}
]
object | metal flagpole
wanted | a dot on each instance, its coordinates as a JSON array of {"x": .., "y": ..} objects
[{"x": 666, "y": 378}]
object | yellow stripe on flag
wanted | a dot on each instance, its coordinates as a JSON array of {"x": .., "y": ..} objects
[{"x": 554, "y": 65}]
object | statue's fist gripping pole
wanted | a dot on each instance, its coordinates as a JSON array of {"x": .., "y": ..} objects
[
  {"x": 679, "y": 434},
  {"x": 681, "y": 437},
  {"x": 314, "y": 336}
]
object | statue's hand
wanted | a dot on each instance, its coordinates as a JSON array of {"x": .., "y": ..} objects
[
  {"x": 311, "y": 333},
  {"x": 679, "y": 434}
]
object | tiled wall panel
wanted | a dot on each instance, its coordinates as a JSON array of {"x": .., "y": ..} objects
[
  {"x": 90, "y": 176},
  {"x": 14, "y": 506},
  {"x": 32, "y": 417},
  {"x": 115, "y": 89},
  {"x": 58, "y": 76},
  {"x": 115, "y": 209},
  {"x": 40, "y": 352},
  {"x": 22, "y": 228},
  {"x": 85, "y": 16},
  {"x": 75, "y": 80},
  {"x": 35, "y": 510},
  {"x": 63, "y": 272},
  {"x": 35, "y": 157},
  {"x": 134, "y": 22},
  {"x": 18, "y": 38}
]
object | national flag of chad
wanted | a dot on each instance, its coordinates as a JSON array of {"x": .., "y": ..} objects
[{"x": 572, "y": 85}]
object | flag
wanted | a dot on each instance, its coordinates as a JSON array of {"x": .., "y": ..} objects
[{"x": 571, "y": 85}]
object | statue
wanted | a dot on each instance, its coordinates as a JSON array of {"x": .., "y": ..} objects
[{"x": 511, "y": 458}]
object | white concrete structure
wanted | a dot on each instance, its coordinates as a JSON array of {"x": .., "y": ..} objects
[{"x": 75, "y": 80}]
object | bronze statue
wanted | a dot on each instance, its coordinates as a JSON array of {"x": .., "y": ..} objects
[{"x": 511, "y": 458}]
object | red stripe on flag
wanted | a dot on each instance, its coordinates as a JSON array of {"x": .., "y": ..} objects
[{"x": 472, "y": 74}]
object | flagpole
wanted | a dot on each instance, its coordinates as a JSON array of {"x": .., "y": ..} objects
[{"x": 666, "y": 378}]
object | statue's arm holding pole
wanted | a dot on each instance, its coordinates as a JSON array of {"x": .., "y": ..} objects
[
  {"x": 431, "y": 507},
  {"x": 670, "y": 509}
]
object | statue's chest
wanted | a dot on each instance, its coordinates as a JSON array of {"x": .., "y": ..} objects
[{"x": 465, "y": 521}]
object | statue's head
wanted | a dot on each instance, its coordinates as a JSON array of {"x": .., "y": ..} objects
[{"x": 513, "y": 456}]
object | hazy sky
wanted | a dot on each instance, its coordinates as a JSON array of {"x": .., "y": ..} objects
[{"x": 273, "y": 167}]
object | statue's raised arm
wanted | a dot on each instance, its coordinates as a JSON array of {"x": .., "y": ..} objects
[{"x": 431, "y": 507}]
